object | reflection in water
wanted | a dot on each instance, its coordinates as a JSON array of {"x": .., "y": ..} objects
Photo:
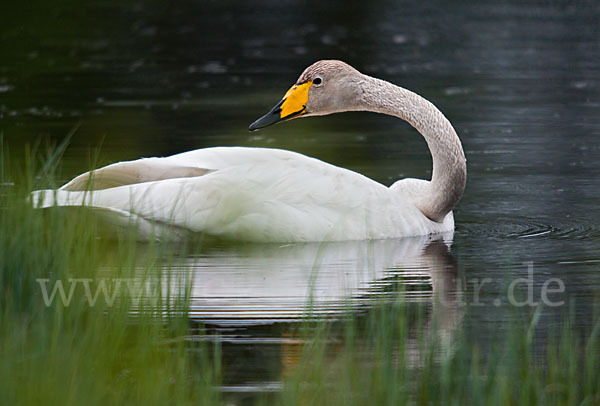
[
  {"x": 243, "y": 291},
  {"x": 266, "y": 283}
]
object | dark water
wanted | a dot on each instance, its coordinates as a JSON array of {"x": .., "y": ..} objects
[{"x": 519, "y": 82}]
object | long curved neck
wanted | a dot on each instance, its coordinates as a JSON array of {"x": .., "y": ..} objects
[{"x": 449, "y": 173}]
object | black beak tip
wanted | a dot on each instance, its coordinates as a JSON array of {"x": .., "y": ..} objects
[
  {"x": 271, "y": 117},
  {"x": 254, "y": 126}
]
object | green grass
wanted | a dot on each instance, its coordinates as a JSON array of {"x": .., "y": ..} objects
[
  {"x": 131, "y": 353},
  {"x": 82, "y": 354},
  {"x": 388, "y": 357}
]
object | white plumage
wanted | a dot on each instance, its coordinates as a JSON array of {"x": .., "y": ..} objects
[{"x": 261, "y": 194}]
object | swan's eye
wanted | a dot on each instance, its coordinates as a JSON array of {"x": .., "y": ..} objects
[{"x": 317, "y": 81}]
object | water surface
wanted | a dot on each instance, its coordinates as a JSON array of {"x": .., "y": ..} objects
[{"x": 519, "y": 82}]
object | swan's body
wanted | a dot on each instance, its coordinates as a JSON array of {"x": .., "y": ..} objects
[{"x": 264, "y": 194}]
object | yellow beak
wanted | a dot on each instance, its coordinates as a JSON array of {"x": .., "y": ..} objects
[{"x": 291, "y": 106}]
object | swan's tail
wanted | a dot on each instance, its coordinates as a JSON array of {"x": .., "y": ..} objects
[
  {"x": 42, "y": 199},
  {"x": 114, "y": 218}
]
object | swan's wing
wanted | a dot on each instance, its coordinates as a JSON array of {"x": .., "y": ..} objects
[
  {"x": 132, "y": 172},
  {"x": 185, "y": 165},
  {"x": 290, "y": 199}
]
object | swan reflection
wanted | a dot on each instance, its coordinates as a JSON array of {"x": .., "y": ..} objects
[{"x": 265, "y": 283}]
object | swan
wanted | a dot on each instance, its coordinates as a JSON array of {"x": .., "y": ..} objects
[{"x": 274, "y": 195}]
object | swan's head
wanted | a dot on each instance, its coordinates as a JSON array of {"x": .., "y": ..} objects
[{"x": 325, "y": 87}]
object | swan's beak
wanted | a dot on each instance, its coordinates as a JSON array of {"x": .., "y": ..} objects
[{"x": 291, "y": 106}]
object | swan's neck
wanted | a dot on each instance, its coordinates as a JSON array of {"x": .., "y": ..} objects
[{"x": 449, "y": 173}]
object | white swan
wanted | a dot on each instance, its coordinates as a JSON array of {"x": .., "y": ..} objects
[{"x": 261, "y": 194}]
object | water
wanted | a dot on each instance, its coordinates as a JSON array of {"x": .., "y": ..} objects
[{"x": 519, "y": 82}]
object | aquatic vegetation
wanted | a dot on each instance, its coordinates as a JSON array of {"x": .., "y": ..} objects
[
  {"x": 74, "y": 347},
  {"x": 137, "y": 350}
]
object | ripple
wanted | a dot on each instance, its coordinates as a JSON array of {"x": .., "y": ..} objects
[{"x": 526, "y": 228}]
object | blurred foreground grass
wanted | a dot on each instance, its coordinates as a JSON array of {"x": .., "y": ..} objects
[
  {"x": 128, "y": 351},
  {"x": 133, "y": 351}
]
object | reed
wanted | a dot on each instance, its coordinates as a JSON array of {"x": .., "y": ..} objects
[{"x": 79, "y": 351}]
